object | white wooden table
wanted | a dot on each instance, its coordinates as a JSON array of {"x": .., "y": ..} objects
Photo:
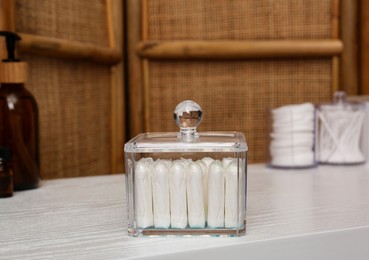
[{"x": 320, "y": 213}]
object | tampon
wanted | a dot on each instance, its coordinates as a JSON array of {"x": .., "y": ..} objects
[
  {"x": 207, "y": 161},
  {"x": 160, "y": 185},
  {"x": 231, "y": 196},
  {"x": 227, "y": 161},
  {"x": 178, "y": 201},
  {"x": 216, "y": 195},
  {"x": 143, "y": 195},
  {"x": 195, "y": 196},
  {"x": 205, "y": 181}
]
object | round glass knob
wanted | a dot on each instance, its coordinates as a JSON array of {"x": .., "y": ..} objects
[
  {"x": 340, "y": 97},
  {"x": 188, "y": 115}
]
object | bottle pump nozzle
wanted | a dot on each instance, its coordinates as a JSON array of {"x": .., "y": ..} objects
[{"x": 11, "y": 38}]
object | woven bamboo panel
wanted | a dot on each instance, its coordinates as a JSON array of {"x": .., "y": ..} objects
[
  {"x": 74, "y": 108},
  {"x": 239, "y": 19},
  {"x": 73, "y": 96},
  {"x": 83, "y": 20},
  {"x": 236, "y": 96}
]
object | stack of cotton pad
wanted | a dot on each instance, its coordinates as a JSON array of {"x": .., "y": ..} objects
[{"x": 292, "y": 139}]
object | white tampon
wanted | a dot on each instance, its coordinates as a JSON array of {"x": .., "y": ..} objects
[
  {"x": 160, "y": 186},
  {"x": 143, "y": 195},
  {"x": 231, "y": 196},
  {"x": 216, "y": 195},
  {"x": 242, "y": 191},
  {"x": 147, "y": 160},
  {"x": 205, "y": 181},
  {"x": 185, "y": 162},
  {"x": 178, "y": 201},
  {"x": 227, "y": 161},
  {"x": 207, "y": 161},
  {"x": 195, "y": 196}
]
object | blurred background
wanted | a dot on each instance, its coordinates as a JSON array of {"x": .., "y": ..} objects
[{"x": 103, "y": 71}]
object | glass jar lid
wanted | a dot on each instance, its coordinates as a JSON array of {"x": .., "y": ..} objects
[{"x": 188, "y": 115}]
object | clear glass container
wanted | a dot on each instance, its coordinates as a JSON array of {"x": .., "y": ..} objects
[
  {"x": 339, "y": 131},
  {"x": 186, "y": 183}
]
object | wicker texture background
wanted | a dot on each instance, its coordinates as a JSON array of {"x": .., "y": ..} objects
[
  {"x": 73, "y": 97},
  {"x": 239, "y": 19},
  {"x": 236, "y": 96},
  {"x": 83, "y": 20}
]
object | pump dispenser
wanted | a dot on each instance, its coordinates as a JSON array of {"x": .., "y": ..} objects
[{"x": 18, "y": 118}]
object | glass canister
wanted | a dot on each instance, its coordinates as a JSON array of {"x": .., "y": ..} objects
[
  {"x": 186, "y": 183},
  {"x": 339, "y": 129}
]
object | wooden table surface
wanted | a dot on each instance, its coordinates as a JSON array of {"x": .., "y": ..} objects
[{"x": 321, "y": 213}]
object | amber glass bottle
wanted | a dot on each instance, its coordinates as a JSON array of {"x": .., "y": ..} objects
[
  {"x": 18, "y": 118},
  {"x": 6, "y": 174},
  {"x": 19, "y": 130}
]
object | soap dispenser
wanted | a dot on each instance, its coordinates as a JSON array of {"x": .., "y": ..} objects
[{"x": 18, "y": 118}]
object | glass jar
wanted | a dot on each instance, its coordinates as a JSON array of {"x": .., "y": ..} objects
[
  {"x": 6, "y": 173},
  {"x": 339, "y": 131},
  {"x": 186, "y": 183}
]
